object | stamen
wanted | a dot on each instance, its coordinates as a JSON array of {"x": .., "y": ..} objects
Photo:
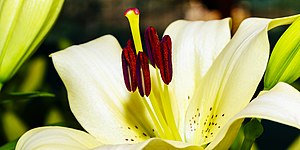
[
  {"x": 152, "y": 44},
  {"x": 137, "y": 74},
  {"x": 132, "y": 15},
  {"x": 166, "y": 48},
  {"x": 129, "y": 66},
  {"x": 143, "y": 74},
  {"x": 160, "y": 53}
]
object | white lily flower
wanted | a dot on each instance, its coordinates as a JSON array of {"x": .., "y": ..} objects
[{"x": 214, "y": 79}]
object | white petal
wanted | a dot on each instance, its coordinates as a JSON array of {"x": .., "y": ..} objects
[
  {"x": 56, "y": 138},
  {"x": 232, "y": 79},
  {"x": 280, "y": 104},
  {"x": 98, "y": 98},
  {"x": 152, "y": 144},
  {"x": 195, "y": 46}
]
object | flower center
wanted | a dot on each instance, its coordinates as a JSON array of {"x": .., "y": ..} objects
[
  {"x": 136, "y": 73},
  {"x": 135, "y": 62}
]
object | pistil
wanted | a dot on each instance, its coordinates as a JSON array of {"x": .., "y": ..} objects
[
  {"x": 141, "y": 64},
  {"x": 132, "y": 15}
]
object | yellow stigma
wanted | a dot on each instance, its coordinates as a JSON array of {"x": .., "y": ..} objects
[{"x": 132, "y": 15}]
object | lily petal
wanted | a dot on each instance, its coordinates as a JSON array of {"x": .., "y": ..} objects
[
  {"x": 97, "y": 94},
  {"x": 56, "y": 138},
  {"x": 150, "y": 144},
  {"x": 232, "y": 79},
  {"x": 195, "y": 46},
  {"x": 193, "y": 40},
  {"x": 280, "y": 104}
]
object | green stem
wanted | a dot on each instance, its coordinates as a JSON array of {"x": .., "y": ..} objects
[
  {"x": 247, "y": 144},
  {"x": 252, "y": 130}
]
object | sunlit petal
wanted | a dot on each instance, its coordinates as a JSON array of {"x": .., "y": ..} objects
[
  {"x": 195, "y": 47},
  {"x": 232, "y": 79},
  {"x": 97, "y": 95},
  {"x": 56, "y": 138},
  {"x": 193, "y": 40},
  {"x": 280, "y": 104},
  {"x": 152, "y": 144}
]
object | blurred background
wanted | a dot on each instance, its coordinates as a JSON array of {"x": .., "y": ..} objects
[{"x": 81, "y": 21}]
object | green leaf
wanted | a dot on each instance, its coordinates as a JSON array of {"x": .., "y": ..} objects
[
  {"x": 23, "y": 96},
  {"x": 9, "y": 146}
]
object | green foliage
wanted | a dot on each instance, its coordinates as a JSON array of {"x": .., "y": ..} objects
[
  {"x": 284, "y": 64},
  {"x": 9, "y": 146},
  {"x": 252, "y": 130},
  {"x": 5, "y": 97}
]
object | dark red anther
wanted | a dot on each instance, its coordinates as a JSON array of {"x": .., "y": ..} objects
[
  {"x": 166, "y": 49},
  {"x": 129, "y": 66},
  {"x": 152, "y": 44},
  {"x": 143, "y": 74},
  {"x": 160, "y": 53}
]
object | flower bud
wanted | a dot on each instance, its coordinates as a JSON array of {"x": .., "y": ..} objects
[
  {"x": 284, "y": 64},
  {"x": 23, "y": 26}
]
